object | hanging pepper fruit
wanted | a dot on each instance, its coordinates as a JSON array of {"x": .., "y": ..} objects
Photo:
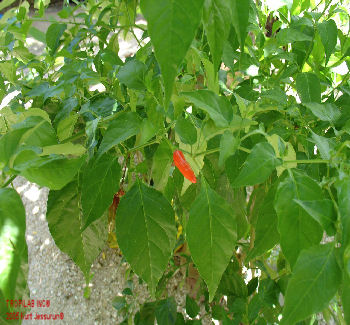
[
  {"x": 183, "y": 166},
  {"x": 112, "y": 239}
]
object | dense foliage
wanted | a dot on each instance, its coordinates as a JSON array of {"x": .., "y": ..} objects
[{"x": 255, "y": 94}]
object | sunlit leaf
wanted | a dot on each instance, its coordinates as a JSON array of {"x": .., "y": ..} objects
[
  {"x": 259, "y": 165},
  {"x": 146, "y": 232},
  {"x": 240, "y": 18},
  {"x": 217, "y": 19},
  {"x": 315, "y": 280},
  {"x": 172, "y": 25},
  {"x": 211, "y": 234},
  {"x": 64, "y": 221},
  {"x": 329, "y": 33},
  {"x": 13, "y": 247},
  {"x": 308, "y": 87},
  {"x": 101, "y": 179},
  {"x": 121, "y": 128},
  {"x": 298, "y": 230}
]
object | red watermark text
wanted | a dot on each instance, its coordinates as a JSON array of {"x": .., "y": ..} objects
[{"x": 33, "y": 316}]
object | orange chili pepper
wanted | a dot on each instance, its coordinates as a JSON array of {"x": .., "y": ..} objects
[{"x": 183, "y": 166}]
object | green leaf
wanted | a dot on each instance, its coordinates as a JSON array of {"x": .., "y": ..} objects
[
  {"x": 345, "y": 297},
  {"x": 53, "y": 35},
  {"x": 172, "y": 25},
  {"x": 186, "y": 130},
  {"x": 254, "y": 306},
  {"x": 180, "y": 319},
  {"x": 102, "y": 106},
  {"x": 218, "y": 312},
  {"x": 8, "y": 70},
  {"x": 192, "y": 308},
  {"x": 8, "y": 116},
  {"x": 315, "y": 280},
  {"x": 146, "y": 232},
  {"x": 291, "y": 35},
  {"x": 101, "y": 180},
  {"x": 325, "y": 112},
  {"x": 211, "y": 76},
  {"x": 217, "y": 21},
  {"x": 259, "y": 165},
  {"x": 318, "y": 52},
  {"x": 119, "y": 302},
  {"x": 146, "y": 315},
  {"x": 218, "y": 107},
  {"x": 147, "y": 131},
  {"x": 121, "y": 128},
  {"x": 308, "y": 87},
  {"x": 23, "y": 54},
  {"x": 230, "y": 46},
  {"x": 252, "y": 285},
  {"x": 283, "y": 150},
  {"x": 64, "y": 220},
  {"x": 211, "y": 235},
  {"x": 37, "y": 34},
  {"x": 242, "y": 105},
  {"x": 132, "y": 74},
  {"x": 12, "y": 241},
  {"x": 33, "y": 131},
  {"x": 5, "y": 3},
  {"x": 322, "y": 211},
  {"x": 68, "y": 105},
  {"x": 228, "y": 146},
  {"x": 240, "y": 19},
  {"x": 232, "y": 166},
  {"x": 277, "y": 95},
  {"x": 53, "y": 172},
  {"x": 166, "y": 311},
  {"x": 329, "y": 33},
  {"x": 298, "y": 230},
  {"x": 65, "y": 127},
  {"x": 343, "y": 190},
  {"x": 41, "y": 132},
  {"x": 347, "y": 259},
  {"x": 232, "y": 283},
  {"x": 90, "y": 130},
  {"x": 162, "y": 161},
  {"x": 266, "y": 233},
  {"x": 9, "y": 143},
  {"x": 67, "y": 148},
  {"x": 195, "y": 161},
  {"x": 324, "y": 145},
  {"x": 32, "y": 111}
]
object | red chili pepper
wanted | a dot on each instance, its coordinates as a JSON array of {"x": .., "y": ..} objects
[
  {"x": 116, "y": 199},
  {"x": 183, "y": 166}
]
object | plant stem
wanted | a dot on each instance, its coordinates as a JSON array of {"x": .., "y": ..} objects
[
  {"x": 9, "y": 181},
  {"x": 52, "y": 21},
  {"x": 207, "y": 152},
  {"x": 143, "y": 145},
  {"x": 76, "y": 136},
  {"x": 306, "y": 161},
  {"x": 244, "y": 149}
]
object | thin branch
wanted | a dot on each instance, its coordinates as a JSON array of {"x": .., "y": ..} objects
[
  {"x": 9, "y": 181},
  {"x": 306, "y": 161}
]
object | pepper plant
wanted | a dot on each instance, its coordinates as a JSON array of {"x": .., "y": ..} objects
[{"x": 253, "y": 97}]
